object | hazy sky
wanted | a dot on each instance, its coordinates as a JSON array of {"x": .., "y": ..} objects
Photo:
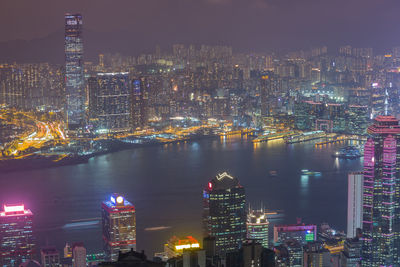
[{"x": 246, "y": 24}]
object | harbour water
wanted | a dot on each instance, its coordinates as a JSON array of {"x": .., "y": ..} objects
[{"x": 165, "y": 184}]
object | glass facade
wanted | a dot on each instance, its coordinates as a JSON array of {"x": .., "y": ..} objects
[
  {"x": 257, "y": 226},
  {"x": 109, "y": 101},
  {"x": 74, "y": 77},
  {"x": 225, "y": 213},
  {"x": 16, "y": 238},
  {"x": 140, "y": 97},
  {"x": 381, "y": 193},
  {"x": 119, "y": 227},
  {"x": 300, "y": 232}
]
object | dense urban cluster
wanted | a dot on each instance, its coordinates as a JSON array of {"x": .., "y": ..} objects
[
  {"x": 84, "y": 108},
  {"x": 336, "y": 90}
]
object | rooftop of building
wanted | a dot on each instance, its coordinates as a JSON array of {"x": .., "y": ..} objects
[
  {"x": 257, "y": 217},
  {"x": 186, "y": 242},
  {"x": 13, "y": 210},
  {"x": 132, "y": 259},
  {"x": 117, "y": 201},
  {"x": 384, "y": 125},
  {"x": 295, "y": 227},
  {"x": 49, "y": 250},
  {"x": 223, "y": 181}
]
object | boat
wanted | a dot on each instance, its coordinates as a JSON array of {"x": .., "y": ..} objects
[
  {"x": 273, "y": 136},
  {"x": 303, "y": 137},
  {"x": 273, "y": 173},
  {"x": 81, "y": 224},
  {"x": 347, "y": 152},
  {"x": 273, "y": 215},
  {"x": 310, "y": 173}
]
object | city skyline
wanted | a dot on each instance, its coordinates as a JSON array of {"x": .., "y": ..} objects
[
  {"x": 243, "y": 24},
  {"x": 311, "y": 133}
]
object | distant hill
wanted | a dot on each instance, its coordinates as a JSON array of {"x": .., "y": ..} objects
[{"x": 51, "y": 48}]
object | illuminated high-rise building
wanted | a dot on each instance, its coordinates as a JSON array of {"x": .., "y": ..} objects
[
  {"x": 357, "y": 118},
  {"x": 316, "y": 255},
  {"x": 50, "y": 257},
  {"x": 119, "y": 226},
  {"x": 78, "y": 255},
  {"x": 140, "y": 96},
  {"x": 351, "y": 254},
  {"x": 110, "y": 101},
  {"x": 295, "y": 253},
  {"x": 16, "y": 238},
  {"x": 354, "y": 203},
  {"x": 381, "y": 196},
  {"x": 176, "y": 246},
  {"x": 267, "y": 90},
  {"x": 257, "y": 226},
  {"x": 225, "y": 213},
  {"x": 301, "y": 232},
  {"x": 74, "y": 77}
]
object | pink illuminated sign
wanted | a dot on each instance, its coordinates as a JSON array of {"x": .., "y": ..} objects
[{"x": 14, "y": 208}]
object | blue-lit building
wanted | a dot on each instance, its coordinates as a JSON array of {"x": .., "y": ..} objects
[
  {"x": 110, "y": 101},
  {"x": 119, "y": 226},
  {"x": 74, "y": 77},
  {"x": 225, "y": 213}
]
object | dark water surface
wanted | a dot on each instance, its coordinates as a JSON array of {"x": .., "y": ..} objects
[{"x": 165, "y": 184}]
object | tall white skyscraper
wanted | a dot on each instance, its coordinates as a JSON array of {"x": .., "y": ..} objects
[{"x": 354, "y": 203}]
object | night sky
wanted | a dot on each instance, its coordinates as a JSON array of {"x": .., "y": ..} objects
[{"x": 247, "y": 25}]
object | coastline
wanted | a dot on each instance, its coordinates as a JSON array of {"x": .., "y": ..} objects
[{"x": 43, "y": 162}]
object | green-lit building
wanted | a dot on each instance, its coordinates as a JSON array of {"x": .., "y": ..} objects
[{"x": 257, "y": 226}]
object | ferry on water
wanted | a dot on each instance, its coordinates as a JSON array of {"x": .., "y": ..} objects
[
  {"x": 303, "y": 137},
  {"x": 310, "y": 173},
  {"x": 272, "y": 136},
  {"x": 274, "y": 215},
  {"x": 348, "y": 152}
]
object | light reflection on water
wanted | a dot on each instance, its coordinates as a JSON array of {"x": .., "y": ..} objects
[{"x": 165, "y": 183}]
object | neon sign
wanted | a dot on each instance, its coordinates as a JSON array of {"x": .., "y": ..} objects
[
  {"x": 14, "y": 208},
  {"x": 223, "y": 175}
]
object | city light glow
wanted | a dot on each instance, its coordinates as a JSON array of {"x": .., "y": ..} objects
[{"x": 14, "y": 208}]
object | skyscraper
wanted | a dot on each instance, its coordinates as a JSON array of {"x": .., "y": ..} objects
[
  {"x": 16, "y": 238},
  {"x": 315, "y": 255},
  {"x": 79, "y": 254},
  {"x": 224, "y": 212},
  {"x": 354, "y": 203},
  {"x": 295, "y": 252},
  {"x": 50, "y": 257},
  {"x": 176, "y": 246},
  {"x": 300, "y": 232},
  {"x": 74, "y": 79},
  {"x": 139, "y": 102},
  {"x": 119, "y": 226},
  {"x": 351, "y": 254},
  {"x": 381, "y": 193},
  {"x": 110, "y": 101},
  {"x": 257, "y": 226}
]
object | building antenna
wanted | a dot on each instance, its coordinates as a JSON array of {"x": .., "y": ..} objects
[{"x": 386, "y": 102}]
